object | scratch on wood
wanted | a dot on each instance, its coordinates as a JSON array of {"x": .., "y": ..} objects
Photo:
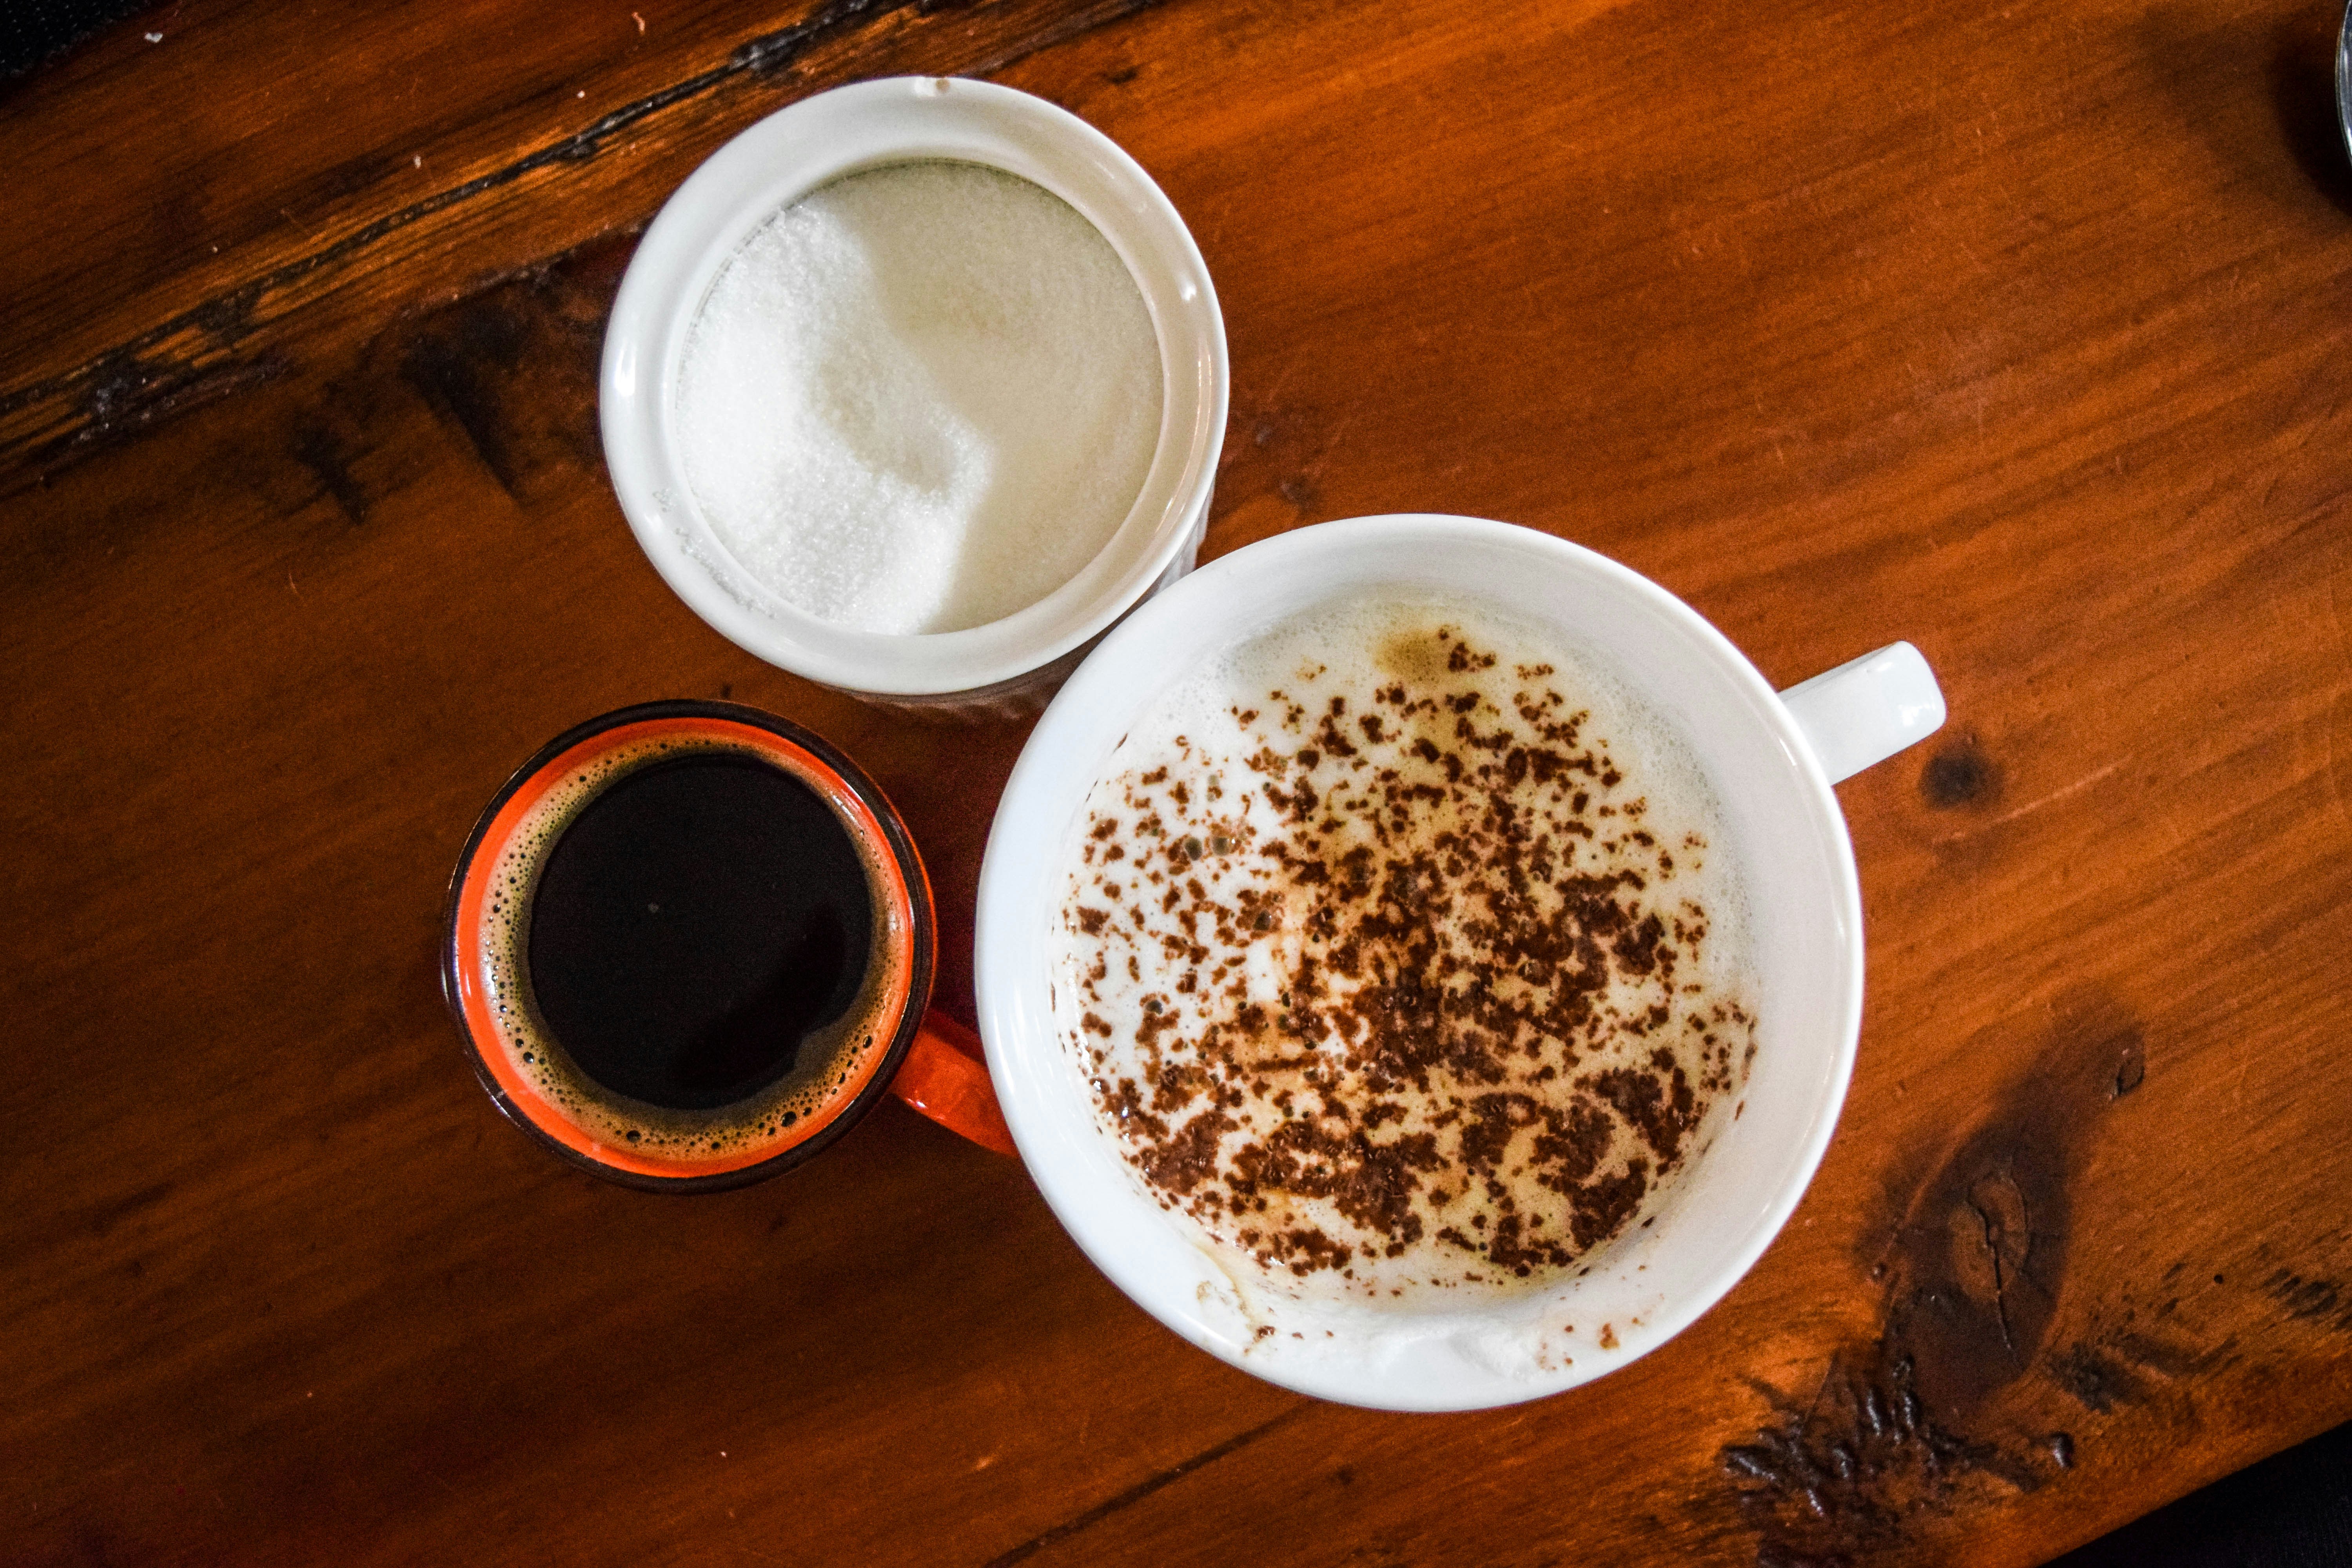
[
  {"x": 148, "y": 377},
  {"x": 1985, "y": 1203},
  {"x": 1060, "y": 32},
  {"x": 1140, "y": 1490},
  {"x": 122, "y": 397},
  {"x": 228, "y": 314},
  {"x": 2077, "y": 787}
]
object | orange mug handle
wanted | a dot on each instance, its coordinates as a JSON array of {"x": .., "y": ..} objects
[{"x": 945, "y": 1077}]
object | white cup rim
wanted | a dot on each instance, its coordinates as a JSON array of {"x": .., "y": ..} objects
[
  {"x": 810, "y": 144},
  {"x": 1437, "y": 1361}
]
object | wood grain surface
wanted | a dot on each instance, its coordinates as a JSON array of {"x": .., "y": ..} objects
[{"x": 2018, "y": 331}]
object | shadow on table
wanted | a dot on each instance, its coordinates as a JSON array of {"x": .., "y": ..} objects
[
  {"x": 2292, "y": 1510},
  {"x": 2303, "y": 92},
  {"x": 33, "y": 34}
]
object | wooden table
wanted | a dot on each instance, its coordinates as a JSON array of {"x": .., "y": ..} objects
[{"x": 2017, "y": 332}]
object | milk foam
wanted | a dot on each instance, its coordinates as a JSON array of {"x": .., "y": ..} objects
[{"x": 1405, "y": 956}]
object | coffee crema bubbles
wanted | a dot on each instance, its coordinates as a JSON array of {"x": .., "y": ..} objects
[
  {"x": 683, "y": 949},
  {"x": 1403, "y": 955}
]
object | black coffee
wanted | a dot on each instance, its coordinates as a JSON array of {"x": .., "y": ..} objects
[
  {"x": 687, "y": 947},
  {"x": 695, "y": 926}
]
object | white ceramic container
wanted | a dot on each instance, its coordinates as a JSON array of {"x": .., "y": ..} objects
[
  {"x": 1771, "y": 758},
  {"x": 1010, "y": 665}
]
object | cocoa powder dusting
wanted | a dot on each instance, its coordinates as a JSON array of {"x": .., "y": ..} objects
[{"x": 1409, "y": 977}]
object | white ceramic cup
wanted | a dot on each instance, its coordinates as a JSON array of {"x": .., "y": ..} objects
[
  {"x": 1008, "y": 665},
  {"x": 1770, "y": 759}
]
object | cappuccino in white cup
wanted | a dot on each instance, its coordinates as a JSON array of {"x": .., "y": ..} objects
[{"x": 1421, "y": 959}]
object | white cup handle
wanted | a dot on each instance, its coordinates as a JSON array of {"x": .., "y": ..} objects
[{"x": 1867, "y": 709}]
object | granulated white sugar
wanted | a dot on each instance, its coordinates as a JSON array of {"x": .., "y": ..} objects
[{"x": 920, "y": 398}]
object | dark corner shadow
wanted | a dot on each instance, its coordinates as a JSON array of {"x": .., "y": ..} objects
[
  {"x": 33, "y": 37},
  {"x": 2303, "y": 95},
  {"x": 2292, "y": 1510}
]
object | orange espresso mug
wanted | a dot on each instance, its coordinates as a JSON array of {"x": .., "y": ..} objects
[{"x": 688, "y": 944}]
